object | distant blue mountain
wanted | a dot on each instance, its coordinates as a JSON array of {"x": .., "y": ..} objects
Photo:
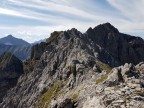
[
  {"x": 22, "y": 52},
  {"x": 10, "y": 40},
  {"x": 18, "y": 47}
]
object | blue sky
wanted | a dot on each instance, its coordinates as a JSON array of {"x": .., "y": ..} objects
[{"x": 33, "y": 20}]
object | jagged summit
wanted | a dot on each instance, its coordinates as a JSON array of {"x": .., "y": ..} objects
[
  {"x": 102, "y": 28},
  {"x": 108, "y": 27},
  {"x": 10, "y": 36},
  {"x": 73, "y": 30}
]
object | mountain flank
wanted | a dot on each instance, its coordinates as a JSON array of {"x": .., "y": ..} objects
[{"x": 10, "y": 70}]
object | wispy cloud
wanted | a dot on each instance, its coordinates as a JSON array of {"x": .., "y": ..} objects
[
  {"x": 127, "y": 15},
  {"x": 57, "y": 9},
  {"x": 12, "y": 12},
  {"x": 133, "y": 10}
]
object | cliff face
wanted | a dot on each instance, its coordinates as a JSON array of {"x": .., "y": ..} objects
[
  {"x": 37, "y": 50},
  {"x": 73, "y": 68},
  {"x": 10, "y": 70}
]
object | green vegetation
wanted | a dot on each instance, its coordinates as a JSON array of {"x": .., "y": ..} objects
[
  {"x": 139, "y": 92},
  {"x": 103, "y": 78},
  {"x": 74, "y": 97},
  {"x": 53, "y": 92},
  {"x": 136, "y": 69},
  {"x": 53, "y": 36},
  {"x": 103, "y": 66}
]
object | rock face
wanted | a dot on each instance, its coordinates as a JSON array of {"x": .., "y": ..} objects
[
  {"x": 37, "y": 51},
  {"x": 74, "y": 70},
  {"x": 10, "y": 70},
  {"x": 116, "y": 48}
]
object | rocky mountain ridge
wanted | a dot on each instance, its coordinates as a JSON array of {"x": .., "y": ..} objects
[{"x": 74, "y": 69}]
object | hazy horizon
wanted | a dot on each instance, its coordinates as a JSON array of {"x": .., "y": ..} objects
[{"x": 33, "y": 20}]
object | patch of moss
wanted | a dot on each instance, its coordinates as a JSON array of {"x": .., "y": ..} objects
[
  {"x": 140, "y": 92},
  {"x": 46, "y": 98},
  {"x": 103, "y": 78},
  {"x": 74, "y": 97},
  {"x": 136, "y": 69},
  {"x": 103, "y": 66}
]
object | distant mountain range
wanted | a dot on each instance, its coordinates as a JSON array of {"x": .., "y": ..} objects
[
  {"x": 22, "y": 52},
  {"x": 10, "y": 40},
  {"x": 18, "y": 47}
]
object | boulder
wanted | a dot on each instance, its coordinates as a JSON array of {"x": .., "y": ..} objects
[{"x": 114, "y": 78}]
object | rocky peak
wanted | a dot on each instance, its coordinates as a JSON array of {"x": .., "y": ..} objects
[
  {"x": 116, "y": 44},
  {"x": 72, "y": 33},
  {"x": 106, "y": 27},
  {"x": 102, "y": 30},
  {"x": 102, "y": 33},
  {"x": 10, "y": 36},
  {"x": 73, "y": 30}
]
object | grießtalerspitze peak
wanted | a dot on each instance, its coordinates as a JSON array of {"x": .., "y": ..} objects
[{"x": 101, "y": 68}]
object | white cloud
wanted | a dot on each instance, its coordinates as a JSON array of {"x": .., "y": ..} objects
[
  {"x": 11, "y": 12},
  {"x": 78, "y": 10},
  {"x": 58, "y": 8},
  {"x": 133, "y": 11}
]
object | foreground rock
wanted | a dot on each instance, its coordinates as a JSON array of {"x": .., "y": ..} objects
[{"x": 110, "y": 91}]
